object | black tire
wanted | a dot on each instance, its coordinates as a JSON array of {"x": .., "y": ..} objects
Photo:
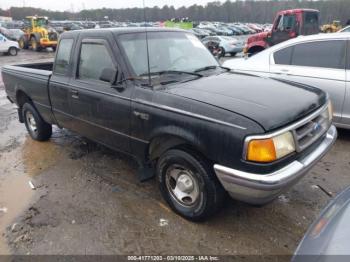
[
  {"x": 54, "y": 48},
  {"x": 23, "y": 43},
  {"x": 35, "y": 43},
  {"x": 233, "y": 54},
  {"x": 12, "y": 51},
  {"x": 222, "y": 52},
  {"x": 210, "y": 192},
  {"x": 43, "y": 130}
]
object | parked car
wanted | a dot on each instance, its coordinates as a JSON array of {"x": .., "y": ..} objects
[
  {"x": 328, "y": 237},
  {"x": 199, "y": 128},
  {"x": 199, "y": 32},
  {"x": 15, "y": 34},
  {"x": 317, "y": 60},
  {"x": 7, "y": 46},
  {"x": 228, "y": 45}
]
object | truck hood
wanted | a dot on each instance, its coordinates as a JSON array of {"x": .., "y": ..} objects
[
  {"x": 269, "y": 102},
  {"x": 257, "y": 37}
]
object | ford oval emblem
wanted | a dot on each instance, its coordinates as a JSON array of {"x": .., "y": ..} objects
[{"x": 316, "y": 127}]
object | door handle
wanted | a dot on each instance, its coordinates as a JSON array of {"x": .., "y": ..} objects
[
  {"x": 75, "y": 93},
  {"x": 282, "y": 72}
]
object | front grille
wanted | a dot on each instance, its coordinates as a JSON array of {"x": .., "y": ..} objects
[{"x": 310, "y": 131}]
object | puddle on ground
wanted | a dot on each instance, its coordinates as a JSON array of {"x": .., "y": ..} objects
[
  {"x": 15, "y": 193},
  {"x": 38, "y": 156},
  {"x": 17, "y": 167}
]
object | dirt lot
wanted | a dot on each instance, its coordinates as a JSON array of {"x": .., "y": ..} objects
[{"x": 88, "y": 200}]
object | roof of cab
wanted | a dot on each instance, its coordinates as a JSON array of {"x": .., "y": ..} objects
[
  {"x": 299, "y": 10},
  {"x": 121, "y": 30}
]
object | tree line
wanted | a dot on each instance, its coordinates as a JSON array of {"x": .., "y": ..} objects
[{"x": 262, "y": 11}]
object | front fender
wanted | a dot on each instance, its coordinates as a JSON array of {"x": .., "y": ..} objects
[{"x": 164, "y": 138}]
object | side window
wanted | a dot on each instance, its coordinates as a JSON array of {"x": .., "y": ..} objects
[
  {"x": 283, "y": 56},
  {"x": 278, "y": 21},
  {"x": 63, "y": 56},
  {"x": 94, "y": 57},
  {"x": 289, "y": 22},
  {"x": 328, "y": 54}
]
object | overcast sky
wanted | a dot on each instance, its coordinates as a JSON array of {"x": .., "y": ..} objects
[{"x": 91, "y": 4}]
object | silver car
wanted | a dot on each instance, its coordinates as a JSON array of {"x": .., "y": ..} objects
[
  {"x": 228, "y": 45},
  {"x": 318, "y": 60}
]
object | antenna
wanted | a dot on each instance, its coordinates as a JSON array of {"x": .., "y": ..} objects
[{"x": 148, "y": 64}]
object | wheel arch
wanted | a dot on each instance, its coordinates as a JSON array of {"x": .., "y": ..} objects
[
  {"x": 21, "y": 99},
  {"x": 170, "y": 138},
  {"x": 255, "y": 49},
  {"x": 36, "y": 35}
]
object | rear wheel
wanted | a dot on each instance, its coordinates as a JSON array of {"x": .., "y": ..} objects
[
  {"x": 233, "y": 54},
  {"x": 189, "y": 184},
  {"x": 12, "y": 51},
  {"x": 37, "y": 128}
]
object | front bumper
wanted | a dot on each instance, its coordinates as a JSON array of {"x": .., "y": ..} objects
[{"x": 262, "y": 188}]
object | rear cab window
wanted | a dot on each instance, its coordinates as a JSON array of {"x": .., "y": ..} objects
[{"x": 62, "y": 60}]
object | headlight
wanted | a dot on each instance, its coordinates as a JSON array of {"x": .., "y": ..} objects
[{"x": 271, "y": 149}]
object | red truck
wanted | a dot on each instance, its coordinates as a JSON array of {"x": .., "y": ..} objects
[{"x": 288, "y": 24}]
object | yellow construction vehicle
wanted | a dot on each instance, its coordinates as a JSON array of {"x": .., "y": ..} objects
[
  {"x": 331, "y": 28},
  {"x": 38, "y": 34}
]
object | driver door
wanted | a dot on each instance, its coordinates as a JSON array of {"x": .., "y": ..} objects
[
  {"x": 284, "y": 27},
  {"x": 101, "y": 112}
]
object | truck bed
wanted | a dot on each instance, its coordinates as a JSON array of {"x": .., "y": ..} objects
[
  {"x": 31, "y": 79},
  {"x": 47, "y": 66}
]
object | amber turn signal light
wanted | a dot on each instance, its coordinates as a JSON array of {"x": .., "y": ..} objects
[{"x": 261, "y": 151}]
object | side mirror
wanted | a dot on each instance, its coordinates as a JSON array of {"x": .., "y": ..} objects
[{"x": 109, "y": 75}]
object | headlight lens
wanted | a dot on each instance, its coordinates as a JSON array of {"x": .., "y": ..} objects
[{"x": 268, "y": 150}]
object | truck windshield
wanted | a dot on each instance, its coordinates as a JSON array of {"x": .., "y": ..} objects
[{"x": 168, "y": 51}]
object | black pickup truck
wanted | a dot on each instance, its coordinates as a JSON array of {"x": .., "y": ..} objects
[{"x": 161, "y": 97}]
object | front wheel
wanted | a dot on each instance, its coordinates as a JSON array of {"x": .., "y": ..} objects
[
  {"x": 12, "y": 51},
  {"x": 222, "y": 52},
  {"x": 35, "y": 44},
  {"x": 37, "y": 128},
  {"x": 189, "y": 185},
  {"x": 23, "y": 43}
]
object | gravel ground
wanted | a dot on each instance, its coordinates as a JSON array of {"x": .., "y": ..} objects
[{"x": 88, "y": 200}]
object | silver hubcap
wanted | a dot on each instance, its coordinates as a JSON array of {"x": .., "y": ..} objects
[
  {"x": 12, "y": 51},
  {"x": 182, "y": 185},
  {"x": 31, "y": 121}
]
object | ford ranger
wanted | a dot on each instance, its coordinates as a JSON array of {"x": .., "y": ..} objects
[{"x": 160, "y": 96}]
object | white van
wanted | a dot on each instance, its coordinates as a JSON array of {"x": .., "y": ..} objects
[{"x": 7, "y": 46}]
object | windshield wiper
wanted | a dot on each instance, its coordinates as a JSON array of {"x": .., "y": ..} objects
[
  {"x": 211, "y": 67},
  {"x": 172, "y": 72}
]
